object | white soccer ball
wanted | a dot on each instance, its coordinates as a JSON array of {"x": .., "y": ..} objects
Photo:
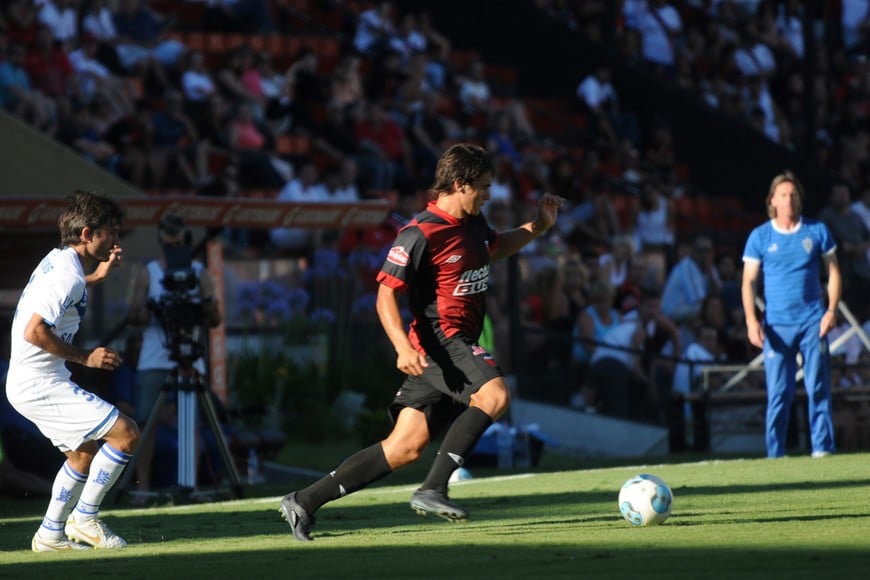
[
  {"x": 645, "y": 500},
  {"x": 460, "y": 474}
]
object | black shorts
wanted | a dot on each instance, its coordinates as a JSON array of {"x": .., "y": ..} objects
[{"x": 446, "y": 385}]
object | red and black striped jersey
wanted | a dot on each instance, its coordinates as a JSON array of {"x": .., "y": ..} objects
[{"x": 443, "y": 264}]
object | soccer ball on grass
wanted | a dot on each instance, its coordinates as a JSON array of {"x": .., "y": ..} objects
[{"x": 645, "y": 500}]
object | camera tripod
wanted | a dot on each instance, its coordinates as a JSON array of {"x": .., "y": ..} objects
[{"x": 189, "y": 386}]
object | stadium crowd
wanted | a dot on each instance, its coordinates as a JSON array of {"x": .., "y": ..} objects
[{"x": 619, "y": 274}]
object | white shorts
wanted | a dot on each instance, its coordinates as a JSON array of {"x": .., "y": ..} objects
[{"x": 64, "y": 412}]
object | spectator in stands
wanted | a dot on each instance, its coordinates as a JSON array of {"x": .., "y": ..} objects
[
  {"x": 762, "y": 109},
  {"x": 97, "y": 22},
  {"x": 177, "y": 144},
  {"x": 659, "y": 25},
  {"x": 310, "y": 89},
  {"x": 61, "y": 17},
  {"x": 614, "y": 266},
  {"x": 197, "y": 85},
  {"x": 21, "y": 21},
  {"x": 335, "y": 136},
  {"x": 78, "y": 132},
  {"x": 594, "y": 322},
  {"x": 690, "y": 281},
  {"x": 346, "y": 85},
  {"x": 131, "y": 137},
  {"x": 304, "y": 188},
  {"x": 546, "y": 320},
  {"x": 598, "y": 98},
  {"x": 855, "y": 23},
  {"x": 428, "y": 134},
  {"x": 374, "y": 29},
  {"x": 438, "y": 74},
  {"x": 345, "y": 186},
  {"x": 384, "y": 154},
  {"x": 94, "y": 78},
  {"x": 214, "y": 127},
  {"x": 408, "y": 40},
  {"x": 623, "y": 369},
  {"x": 284, "y": 113},
  {"x": 530, "y": 180},
  {"x": 251, "y": 143},
  {"x": 225, "y": 184},
  {"x": 142, "y": 34},
  {"x": 501, "y": 140},
  {"x": 652, "y": 222},
  {"x": 50, "y": 70},
  {"x": 658, "y": 155},
  {"x": 853, "y": 243},
  {"x": 474, "y": 93},
  {"x": 231, "y": 82},
  {"x": 753, "y": 58},
  {"x": 789, "y": 25},
  {"x": 704, "y": 349},
  {"x": 18, "y": 97},
  {"x": 409, "y": 95},
  {"x": 572, "y": 279}
]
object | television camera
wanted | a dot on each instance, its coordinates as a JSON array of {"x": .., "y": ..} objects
[
  {"x": 182, "y": 314},
  {"x": 180, "y": 309}
]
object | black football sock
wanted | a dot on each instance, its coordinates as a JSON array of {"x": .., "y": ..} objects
[
  {"x": 459, "y": 440},
  {"x": 356, "y": 472}
]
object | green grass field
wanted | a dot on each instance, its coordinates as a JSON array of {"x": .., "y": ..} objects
[{"x": 754, "y": 518}]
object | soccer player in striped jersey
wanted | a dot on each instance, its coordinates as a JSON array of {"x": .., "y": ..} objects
[
  {"x": 38, "y": 385},
  {"x": 792, "y": 252},
  {"x": 441, "y": 262}
]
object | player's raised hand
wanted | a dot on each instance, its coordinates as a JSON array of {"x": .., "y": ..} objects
[
  {"x": 101, "y": 272},
  {"x": 548, "y": 211}
]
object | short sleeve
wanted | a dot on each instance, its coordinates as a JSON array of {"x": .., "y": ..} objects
[{"x": 404, "y": 259}]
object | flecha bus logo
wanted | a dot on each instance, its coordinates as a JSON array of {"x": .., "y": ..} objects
[{"x": 398, "y": 256}]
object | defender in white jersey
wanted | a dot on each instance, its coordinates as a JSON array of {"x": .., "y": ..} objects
[
  {"x": 791, "y": 251},
  {"x": 38, "y": 384}
]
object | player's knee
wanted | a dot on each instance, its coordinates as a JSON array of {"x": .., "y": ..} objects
[
  {"x": 126, "y": 435},
  {"x": 403, "y": 453},
  {"x": 492, "y": 401}
]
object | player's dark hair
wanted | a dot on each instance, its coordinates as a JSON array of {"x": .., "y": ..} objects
[
  {"x": 784, "y": 177},
  {"x": 463, "y": 163},
  {"x": 86, "y": 209}
]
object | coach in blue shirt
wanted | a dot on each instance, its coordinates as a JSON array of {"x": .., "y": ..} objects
[{"x": 789, "y": 250}]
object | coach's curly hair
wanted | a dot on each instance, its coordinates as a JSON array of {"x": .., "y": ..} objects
[{"x": 86, "y": 209}]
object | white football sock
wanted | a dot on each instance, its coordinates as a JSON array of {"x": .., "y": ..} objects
[
  {"x": 106, "y": 467},
  {"x": 65, "y": 492}
]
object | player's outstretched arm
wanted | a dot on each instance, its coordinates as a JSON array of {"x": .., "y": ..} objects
[{"x": 512, "y": 241}]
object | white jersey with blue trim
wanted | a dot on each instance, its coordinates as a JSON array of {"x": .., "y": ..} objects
[
  {"x": 56, "y": 292},
  {"x": 791, "y": 264}
]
